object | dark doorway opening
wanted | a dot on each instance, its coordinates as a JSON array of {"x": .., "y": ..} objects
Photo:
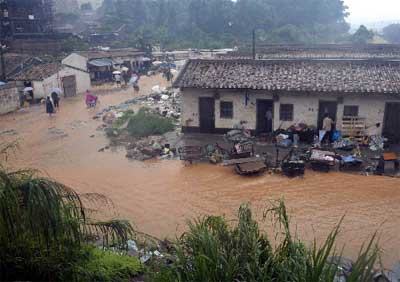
[
  {"x": 207, "y": 114},
  {"x": 326, "y": 107},
  {"x": 265, "y": 116},
  {"x": 391, "y": 125}
]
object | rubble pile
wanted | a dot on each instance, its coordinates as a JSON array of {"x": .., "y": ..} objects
[
  {"x": 237, "y": 136},
  {"x": 160, "y": 101},
  {"x": 149, "y": 148}
]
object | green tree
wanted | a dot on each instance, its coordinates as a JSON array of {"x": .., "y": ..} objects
[
  {"x": 391, "y": 33},
  {"x": 362, "y": 35},
  {"x": 202, "y": 23}
]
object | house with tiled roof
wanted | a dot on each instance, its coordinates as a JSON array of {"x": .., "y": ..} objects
[
  {"x": 101, "y": 63},
  {"x": 277, "y": 93},
  {"x": 43, "y": 78}
]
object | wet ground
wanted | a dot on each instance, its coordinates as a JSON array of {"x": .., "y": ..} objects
[{"x": 160, "y": 196}]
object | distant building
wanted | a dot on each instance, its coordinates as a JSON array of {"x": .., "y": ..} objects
[
  {"x": 44, "y": 78},
  {"x": 100, "y": 64},
  {"x": 217, "y": 94},
  {"x": 25, "y": 17}
]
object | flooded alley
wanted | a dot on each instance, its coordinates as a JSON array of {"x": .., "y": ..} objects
[{"x": 160, "y": 196}]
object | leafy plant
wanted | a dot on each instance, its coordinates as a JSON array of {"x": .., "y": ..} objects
[
  {"x": 212, "y": 250},
  {"x": 121, "y": 121},
  {"x": 145, "y": 123},
  {"x": 43, "y": 225},
  {"x": 107, "y": 266}
]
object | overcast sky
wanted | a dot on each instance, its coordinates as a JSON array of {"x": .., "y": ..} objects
[{"x": 373, "y": 10}]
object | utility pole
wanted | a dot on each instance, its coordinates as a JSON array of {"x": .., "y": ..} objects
[
  {"x": 254, "y": 43},
  {"x": 3, "y": 64}
]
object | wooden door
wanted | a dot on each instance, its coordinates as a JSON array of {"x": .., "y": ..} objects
[
  {"x": 69, "y": 85},
  {"x": 391, "y": 125},
  {"x": 326, "y": 107},
  {"x": 207, "y": 114},
  {"x": 264, "y": 123}
]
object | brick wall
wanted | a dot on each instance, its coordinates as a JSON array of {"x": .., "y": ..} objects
[{"x": 9, "y": 98}]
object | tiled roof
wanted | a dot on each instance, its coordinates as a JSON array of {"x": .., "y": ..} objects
[
  {"x": 293, "y": 75},
  {"x": 321, "y": 51},
  {"x": 113, "y": 53},
  {"x": 38, "y": 72}
]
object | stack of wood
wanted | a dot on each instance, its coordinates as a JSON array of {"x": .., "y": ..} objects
[{"x": 354, "y": 127}]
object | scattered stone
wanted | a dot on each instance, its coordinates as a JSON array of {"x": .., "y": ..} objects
[
  {"x": 101, "y": 127},
  {"x": 57, "y": 133},
  {"x": 8, "y": 132},
  {"x": 92, "y": 136},
  {"x": 101, "y": 150},
  {"x": 109, "y": 117}
]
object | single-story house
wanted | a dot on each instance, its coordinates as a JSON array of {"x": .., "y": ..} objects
[
  {"x": 217, "y": 94},
  {"x": 45, "y": 77},
  {"x": 100, "y": 64}
]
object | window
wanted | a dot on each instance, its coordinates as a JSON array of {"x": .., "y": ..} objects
[
  {"x": 286, "y": 112},
  {"x": 226, "y": 110},
  {"x": 350, "y": 111}
]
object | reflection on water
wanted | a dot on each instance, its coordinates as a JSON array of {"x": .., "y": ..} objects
[{"x": 159, "y": 197}]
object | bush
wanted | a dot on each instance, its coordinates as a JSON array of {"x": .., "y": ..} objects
[
  {"x": 213, "y": 251},
  {"x": 107, "y": 266},
  {"x": 145, "y": 123},
  {"x": 119, "y": 122}
]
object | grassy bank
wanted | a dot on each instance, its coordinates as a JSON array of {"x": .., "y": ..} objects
[
  {"x": 215, "y": 250},
  {"x": 146, "y": 123}
]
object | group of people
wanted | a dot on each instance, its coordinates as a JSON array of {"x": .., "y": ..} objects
[
  {"x": 128, "y": 78},
  {"x": 52, "y": 102}
]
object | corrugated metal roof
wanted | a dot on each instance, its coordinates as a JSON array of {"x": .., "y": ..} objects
[{"x": 101, "y": 62}]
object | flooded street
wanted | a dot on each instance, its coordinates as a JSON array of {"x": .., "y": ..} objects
[{"x": 160, "y": 196}]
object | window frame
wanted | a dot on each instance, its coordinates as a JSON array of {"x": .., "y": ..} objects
[
  {"x": 223, "y": 112},
  {"x": 284, "y": 112},
  {"x": 351, "y": 111}
]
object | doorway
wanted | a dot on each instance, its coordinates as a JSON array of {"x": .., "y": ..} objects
[
  {"x": 207, "y": 114},
  {"x": 69, "y": 85},
  {"x": 326, "y": 107},
  {"x": 265, "y": 116},
  {"x": 391, "y": 125}
]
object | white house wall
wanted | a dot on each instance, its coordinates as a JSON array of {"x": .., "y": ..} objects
[
  {"x": 76, "y": 60},
  {"x": 82, "y": 78},
  {"x": 43, "y": 88},
  {"x": 305, "y": 107}
]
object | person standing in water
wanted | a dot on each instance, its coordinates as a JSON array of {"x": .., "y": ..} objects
[
  {"x": 56, "y": 99},
  {"x": 49, "y": 106}
]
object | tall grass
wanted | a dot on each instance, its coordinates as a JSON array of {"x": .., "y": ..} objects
[{"x": 212, "y": 250}]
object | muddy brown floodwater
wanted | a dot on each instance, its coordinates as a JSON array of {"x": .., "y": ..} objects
[{"x": 160, "y": 196}]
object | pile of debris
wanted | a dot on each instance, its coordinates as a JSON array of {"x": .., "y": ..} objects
[
  {"x": 149, "y": 148},
  {"x": 161, "y": 100},
  {"x": 237, "y": 136}
]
